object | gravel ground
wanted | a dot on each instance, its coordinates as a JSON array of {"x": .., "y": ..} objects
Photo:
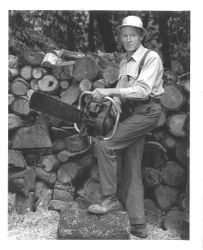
[{"x": 42, "y": 225}]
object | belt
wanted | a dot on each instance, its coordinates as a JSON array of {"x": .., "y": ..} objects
[{"x": 140, "y": 101}]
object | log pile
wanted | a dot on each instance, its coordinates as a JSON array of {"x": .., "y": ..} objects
[{"x": 50, "y": 166}]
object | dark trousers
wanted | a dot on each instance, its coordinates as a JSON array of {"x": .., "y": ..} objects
[{"x": 129, "y": 136}]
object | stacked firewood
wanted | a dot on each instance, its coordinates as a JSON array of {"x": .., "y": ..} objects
[{"x": 51, "y": 165}]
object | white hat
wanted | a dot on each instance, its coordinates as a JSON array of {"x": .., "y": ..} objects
[{"x": 132, "y": 21}]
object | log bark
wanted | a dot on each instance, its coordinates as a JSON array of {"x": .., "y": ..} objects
[
  {"x": 63, "y": 71},
  {"x": 173, "y": 98},
  {"x": 70, "y": 55},
  {"x": 85, "y": 68},
  {"x": 34, "y": 137},
  {"x": 48, "y": 178},
  {"x": 152, "y": 177},
  {"x": 48, "y": 84},
  {"x": 26, "y": 72},
  {"x": 173, "y": 174},
  {"x": 16, "y": 160},
  {"x": 155, "y": 155},
  {"x": 59, "y": 145},
  {"x": 176, "y": 123},
  {"x": 76, "y": 143},
  {"x": 32, "y": 57},
  {"x": 71, "y": 94},
  {"x": 169, "y": 142},
  {"x": 20, "y": 106},
  {"x": 68, "y": 172},
  {"x": 14, "y": 122},
  {"x": 19, "y": 87},
  {"x": 165, "y": 197},
  {"x": 110, "y": 75}
]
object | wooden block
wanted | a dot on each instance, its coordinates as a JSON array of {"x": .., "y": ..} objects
[
  {"x": 14, "y": 122},
  {"x": 16, "y": 160},
  {"x": 22, "y": 181},
  {"x": 173, "y": 174},
  {"x": 176, "y": 123},
  {"x": 59, "y": 205},
  {"x": 152, "y": 177},
  {"x": 43, "y": 195},
  {"x": 32, "y": 137},
  {"x": 174, "y": 219},
  {"x": 48, "y": 178},
  {"x": 20, "y": 106},
  {"x": 19, "y": 87},
  {"x": 165, "y": 197},
  {"x": 62, "y": 195},
  {"x": 76, "y": 143}
]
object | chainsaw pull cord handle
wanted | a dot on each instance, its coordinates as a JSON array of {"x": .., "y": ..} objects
[{"x": 117, "y": 116}]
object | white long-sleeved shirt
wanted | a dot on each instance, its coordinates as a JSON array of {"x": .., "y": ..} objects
[{"x": 148, "y": 83}]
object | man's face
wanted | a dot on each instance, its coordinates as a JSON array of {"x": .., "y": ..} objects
[{"x": 131, "y": 38}]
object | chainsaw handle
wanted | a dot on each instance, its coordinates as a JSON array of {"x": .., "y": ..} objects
[
  {"x": 117, "y": 119},
  {"x": 105, "y": 98}
]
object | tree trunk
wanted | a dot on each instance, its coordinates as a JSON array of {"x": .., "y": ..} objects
[
  {"x": 91, "y": 40},
  {"x": 62, "y": 195},
  {"x": 106, "y": 31},
  {"x": 75, "y": 143},
  {"x": 64, "y": 84},
  {"x": 63, "y": 71},
  {"x": 34, "y": 84},
  {"x": 43, "y": 195}
]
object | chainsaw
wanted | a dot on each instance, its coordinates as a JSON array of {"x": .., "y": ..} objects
[{"x": 94, "y": 119}]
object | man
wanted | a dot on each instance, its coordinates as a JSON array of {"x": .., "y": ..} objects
[{"x": 136, "y": 93}]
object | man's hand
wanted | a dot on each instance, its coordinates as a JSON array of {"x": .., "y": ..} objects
[{"x": 99, "y": 93}]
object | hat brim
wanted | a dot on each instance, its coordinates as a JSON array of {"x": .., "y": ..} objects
[{"x": 127, "y": 25}]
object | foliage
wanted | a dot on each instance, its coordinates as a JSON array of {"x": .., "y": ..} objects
[{"x": 167, "y": 32}]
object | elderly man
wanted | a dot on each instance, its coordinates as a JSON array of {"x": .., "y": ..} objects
[{"x": 136, "y": 94}]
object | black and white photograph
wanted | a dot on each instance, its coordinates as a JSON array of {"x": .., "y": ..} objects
[{"x": 99, "y": 114}]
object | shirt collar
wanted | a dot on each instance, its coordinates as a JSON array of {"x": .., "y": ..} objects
[{"x": 136, "y": 55}]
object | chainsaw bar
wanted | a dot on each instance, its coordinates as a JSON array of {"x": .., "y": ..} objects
[{"x": 52, "y": 106}]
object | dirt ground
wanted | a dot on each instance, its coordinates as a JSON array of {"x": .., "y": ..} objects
[{"x": 42, "y": 225}]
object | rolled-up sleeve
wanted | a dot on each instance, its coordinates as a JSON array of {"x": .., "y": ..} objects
[{"x": 149, "y": 81}]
